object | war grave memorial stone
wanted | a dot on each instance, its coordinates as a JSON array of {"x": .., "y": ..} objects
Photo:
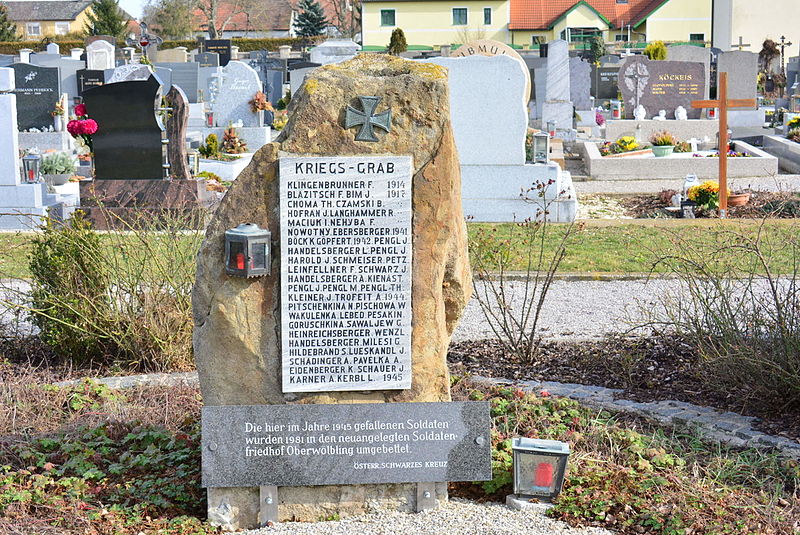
[{"x": 335, "y": 392}]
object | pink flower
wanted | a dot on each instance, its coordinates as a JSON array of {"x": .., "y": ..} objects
[
  {"x": 80, "y": 110},
  {"x": 72, "y": 127},
  {"x": 88, "y": 126}
]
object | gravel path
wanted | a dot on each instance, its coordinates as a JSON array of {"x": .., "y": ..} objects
[
  {"x": 576, "y": 309},
  {"x": 457, "y": 517}
]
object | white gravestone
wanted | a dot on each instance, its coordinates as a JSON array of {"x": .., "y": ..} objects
[
  {"x": 53, "y": 48},
  {"x": 9, "y": 144},
  {"x": 100, "y": 55},
  {"x": 239, "y": 85},
  {"x": 346, "y": 273},
  {"x": 557, "y": 106}
]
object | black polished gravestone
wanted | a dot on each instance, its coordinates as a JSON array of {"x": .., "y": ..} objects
[
  {"x": 221, "y": 47},
  {"x": 127, "y": 144},
  {"x": 37, "y": 90},
  {"x": 89, "y": 78},
  {"x": 604, "y": 82}
]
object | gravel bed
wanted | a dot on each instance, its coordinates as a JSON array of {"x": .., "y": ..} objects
[
  {"x": 576, "y": 309},
  {"x": 458, "y": 517}
]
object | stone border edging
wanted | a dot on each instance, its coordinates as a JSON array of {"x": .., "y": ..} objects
[{"x": 726, "y": 427}]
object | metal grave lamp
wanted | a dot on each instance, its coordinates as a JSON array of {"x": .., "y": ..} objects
[
  {"x": 209, "y": 118},
  {"x": 539, "y": 467},
  {"x": 541, "y": 147},
  {"x": 193, "y": 157},
  {"x": 616, "y": 109},
  {"x": 31, "y": 164},
  {"x": 247, "y": 251},
  {"x": 551, "y": 128}
]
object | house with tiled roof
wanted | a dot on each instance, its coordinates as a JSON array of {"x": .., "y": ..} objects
[
  {"x": 526, "y": 23},
  {"x": 37, "y": 19}
]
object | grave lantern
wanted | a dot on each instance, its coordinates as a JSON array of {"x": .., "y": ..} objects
[
  {"x": 616, "y": 109},
  {"x": 539, "y": 467},
  {"x": 551, "y": 128},
  {"x": 209, "y": 118},
  {"x": 194, "y": 162},
  {"x": 247, "y": 251},
  {"x": 541, "y": 147},
  {"x": 30, "y": 168}
]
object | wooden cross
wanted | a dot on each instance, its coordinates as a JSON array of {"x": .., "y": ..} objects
[
  {"x": 741, "y": 44},
  {"x": 723, "y": 103}
]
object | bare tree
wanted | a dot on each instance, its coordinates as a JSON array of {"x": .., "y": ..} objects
[
  {"x": 220, "y": 13},
  {"x": 346, "y": 16}
]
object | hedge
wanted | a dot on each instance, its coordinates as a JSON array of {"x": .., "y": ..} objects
[{"x": 245, "y": 45}]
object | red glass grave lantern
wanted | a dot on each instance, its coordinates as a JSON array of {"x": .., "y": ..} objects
[
  {"x": 248, "y": 251},
  {"x": 539, "y": 467}
]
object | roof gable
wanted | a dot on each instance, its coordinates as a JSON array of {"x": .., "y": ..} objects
[
  {"x": 36, "y": 10},
  {"x": 544, "y": 14}
]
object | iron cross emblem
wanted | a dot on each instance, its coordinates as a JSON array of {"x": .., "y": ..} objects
[{"x": 367, "y": 119}]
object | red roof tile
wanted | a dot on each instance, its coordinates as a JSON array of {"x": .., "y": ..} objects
[{"x": 542, "y": 14}]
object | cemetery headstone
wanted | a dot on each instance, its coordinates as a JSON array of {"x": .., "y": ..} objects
[
  {"x": 107, "y": 38},
  {"x": 207, "y": 59},
  {"x": 127, "y": 144},
  {"x": 412, "y": 167},
  {"x": 128, "y": 73},
  {"x": 239, "y": 84},
  {"x": 270, "y": 71},
  {"x": 661, "y": 85},
  {"x": 221, "y": 47},
  {"x": 53, "y": 48},
  {"x": 165, "y": 75},
  {"x": 37, "y": 91},
  {"x": 177, "y": 120},
  {"x": 489, "y": 47},
  {"x": 557, "y": 106},
  {"x": 89, "y": 78},
  {"x": 695, "y": 54},
  {"x": 100, "y": 55},
  {"x": 9, "y": 142},
  {"x": 186, "y": 76},
  {"x": 605, "y": 81},
  {"x": 7, "y": 59},
  {"x": 171, "y": 55},
  {"x": 580, "y": 83},
  {"x": 742, "y": 69},
  {"x": 67, "y": 70},
  {"x": 334, "y": 51}
]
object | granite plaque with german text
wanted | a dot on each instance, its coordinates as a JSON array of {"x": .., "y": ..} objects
[
  {"x": 90, "y": 78},
  {"x": 222, "y": 47},
  {"x": 298, "y": 445},
  {"x": 661, "y": 85},
  {"x": 346, "y": 273},
  {"x": 37, "y": 90}
]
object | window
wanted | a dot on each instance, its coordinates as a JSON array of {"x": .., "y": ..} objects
[
  {"x": 621, "y": 37},
  {"x": 487, "y": 15},
  {"x": 459, "y": 16},
  {"x": 622, "y": 1},
  {"x": 387, "y": 17},
  {"x": 62, "y": 28},
  {"x": 537, "y": 40},
  {"x": 701, "y": 37},
  {"x": 33, "y": 29},
  {"x": 578, "y": 35}
]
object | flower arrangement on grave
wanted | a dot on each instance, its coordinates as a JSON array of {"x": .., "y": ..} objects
[
  {"x": 599, "y": 119},
  {"x": 706, "y": 195},
  {"x": 259, "y": 102},
  {"x": 280, "y": 120},
  {"x": 231, "y": 143},
  {"x": 58, "y": 110},
  {"x": 794, "y": 123},
  {"x": 794, "y": 135},
  {"x": 731, "y": 154},
  {"x": 82, "y": 127},
  {"x": 663, "y": 139},
  {"x": 623, "y": 144},
  {"x": 683, "y": 146}
]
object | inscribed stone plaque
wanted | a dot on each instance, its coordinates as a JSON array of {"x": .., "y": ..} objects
[
  {"x": 37, "y": 90},
  {"x": 299, "y": 445},
  {"x": 661, "y": 85},
  {"x": 696, "y": 54},
  {"x": 90, "y": 78},
  {"x": 346, "y": 273},
  {"x": 604, "y": 82},
  {"x": 239, "y": 84},
  {"x": 207, "y": 59},
  {"x": 222, "y": 47},
  {"x": 742, "y": 69}
]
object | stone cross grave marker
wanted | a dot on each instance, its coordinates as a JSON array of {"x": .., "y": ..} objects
[
  {"x": 354, "y": 221},
  {"x": 37, "y": 90},
  {"x": 723, "y": 103},
  {"x": 741, "y": 45},
  {"x": 128, "y": 143}
]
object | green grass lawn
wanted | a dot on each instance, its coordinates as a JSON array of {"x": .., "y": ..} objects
[{"x": 600, "y": 246}]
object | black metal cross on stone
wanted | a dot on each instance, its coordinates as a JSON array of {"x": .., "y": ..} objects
[
  {"x": 367, "y": 119},
  {"x": 144, "y": 40}
]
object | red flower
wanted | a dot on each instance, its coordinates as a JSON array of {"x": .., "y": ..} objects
[
  {"x": 80, "y": 110},
  {"x": 88, "y": 126},
  {"x": 72, "y": 127}
]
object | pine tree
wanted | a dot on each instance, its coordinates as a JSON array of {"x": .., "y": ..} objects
[
  {"x": 311, "y": 21},
  {"x": 397, "y": 42},
  {"x": 106, "y": 18},
  {"x": 8, "y": 30}
]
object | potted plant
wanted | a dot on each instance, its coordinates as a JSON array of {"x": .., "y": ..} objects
[
  {"x": 663, "y": 143},
  {"x": 706, "y": 195},
  {"x": 738, "y": 198},
  {"x": 624, "y": 146},
  {"x": 57, "y": 168},
  {"x": 258, "y": 105},
  {"x": 58, "y": 117}
]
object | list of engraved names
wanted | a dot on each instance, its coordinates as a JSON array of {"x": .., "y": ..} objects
[{"x": 346, "y": 273}]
